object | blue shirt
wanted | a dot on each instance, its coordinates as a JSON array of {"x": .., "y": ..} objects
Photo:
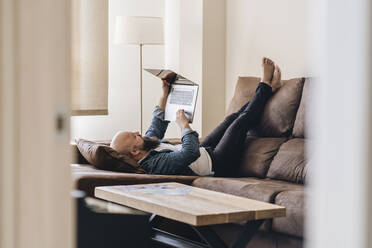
[{"x": 168, "y": 162}]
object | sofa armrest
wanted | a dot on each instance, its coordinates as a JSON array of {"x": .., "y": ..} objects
[
  {"x": 77, "y": 158},
  {"x": 86, "y": 178}
]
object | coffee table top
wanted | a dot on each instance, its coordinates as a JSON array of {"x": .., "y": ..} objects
[{"x": 189, "y": 204}]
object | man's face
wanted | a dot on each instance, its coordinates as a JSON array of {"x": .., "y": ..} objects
[
  {"x": 135, "y": 139},
  {"x": 127, "y": 142}
]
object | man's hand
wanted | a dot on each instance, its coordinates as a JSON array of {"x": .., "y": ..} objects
[
  {"x": 181, "y": 119},
  {"x": 165, "y": 86}
]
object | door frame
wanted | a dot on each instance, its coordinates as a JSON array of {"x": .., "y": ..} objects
[{"x": 36, "y": 209}]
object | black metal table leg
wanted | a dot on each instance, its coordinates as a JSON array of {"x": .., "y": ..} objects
[
  {"x": 154, "y": 220},
  {"x": 207, "y": 235},
  {"x": 249, "y": 229}
]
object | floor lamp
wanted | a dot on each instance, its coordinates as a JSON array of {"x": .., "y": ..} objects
[{"x": 139, "y": 30}]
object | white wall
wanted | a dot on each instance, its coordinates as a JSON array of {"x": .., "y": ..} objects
[
  {"x": 340, "y": 179},
  {"x": 190, "y": 48},
  {"x": 184, "y": 44},
  {"x": 172, "y": 24},
  {"x": 272, "y": 28},
  {"x": 281, "y": 35},
  {"x": 124, "y": 108},
  {"x": 195, "y": 46}
]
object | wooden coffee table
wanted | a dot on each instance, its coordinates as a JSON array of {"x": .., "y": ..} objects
[{"x": 197, "y": 207}]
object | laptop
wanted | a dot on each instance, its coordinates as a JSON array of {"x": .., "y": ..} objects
[{"x": 182, "y": 95}]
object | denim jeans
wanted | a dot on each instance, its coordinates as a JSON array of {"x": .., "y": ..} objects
[{"x": 225, "y": 143}]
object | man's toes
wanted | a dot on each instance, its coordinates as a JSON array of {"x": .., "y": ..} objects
[
  {"x": 277, "y": 68},
  {"x": 269, "y": 61}
]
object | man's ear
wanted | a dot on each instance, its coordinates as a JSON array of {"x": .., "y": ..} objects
[{"x": 134, "y": 152}]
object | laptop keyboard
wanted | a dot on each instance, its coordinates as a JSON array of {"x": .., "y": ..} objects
[{"x": 182, "y": 97}]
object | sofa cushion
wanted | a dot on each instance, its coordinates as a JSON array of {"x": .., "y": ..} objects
[
  {"x": 252, "y": 188},
  {"x": 289, "y": 163},
  {"x": 244, "y": 91},
  {"x": 293, "y": 223},
  {"x": 104, "y": 157},
  {"x": 280, "y": 111},
  {"x": 300, "y": 124},
  {"x": 258, "y": 155},
  {"x": 86, "y": 178}
]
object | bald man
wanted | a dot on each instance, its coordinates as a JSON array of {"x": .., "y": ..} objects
[{"x": 219, "y": 153}]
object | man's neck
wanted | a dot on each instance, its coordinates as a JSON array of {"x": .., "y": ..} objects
[{"x": 141, "y": 155}]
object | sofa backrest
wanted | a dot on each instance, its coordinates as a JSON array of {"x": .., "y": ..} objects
[
  {"x": 275, "y": 148},
  {"x": 299, "y": 127}
]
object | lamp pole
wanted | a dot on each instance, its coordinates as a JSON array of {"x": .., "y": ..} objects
[
  {"x": 141, "y": 107},
  {"x": 139, "y": 30}
]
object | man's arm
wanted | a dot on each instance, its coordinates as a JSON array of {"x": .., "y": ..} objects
[
  {"x": 163, "y": 99},
  {"x": 173, "y": 163},
  {"x": 158, "y": 125}
]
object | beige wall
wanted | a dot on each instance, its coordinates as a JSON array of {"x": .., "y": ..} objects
[
  {"x": 214, "y": 45},
  {"x": 124, "y": 108},
  {"x": 194, "y": 45},
  {"x": 256, "y": 28}
]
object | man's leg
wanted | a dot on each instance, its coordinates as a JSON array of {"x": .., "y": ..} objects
[
  {"x": 227, "y": 153},
  {"x": 212, "y": 139}
]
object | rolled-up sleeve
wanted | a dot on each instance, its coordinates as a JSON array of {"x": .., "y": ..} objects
[
  {"x": 186, "y": 131},
  {"x": 158, "y": 113},
  {"x": 173, "y": 163},
  {"x": 158, "y": 125}
]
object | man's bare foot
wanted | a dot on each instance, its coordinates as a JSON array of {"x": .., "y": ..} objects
[
  {"x": 268, "y": 67},
  {"x": 276, "y": 80}
]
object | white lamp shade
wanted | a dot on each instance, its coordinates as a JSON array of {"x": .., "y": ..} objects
[{"x": 139, "y": 30}]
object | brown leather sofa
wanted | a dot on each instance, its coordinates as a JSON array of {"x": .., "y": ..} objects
[{"x": 273, "y": 168}]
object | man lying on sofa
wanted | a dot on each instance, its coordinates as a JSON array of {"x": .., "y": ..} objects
[{"x": 220, "y": 151}]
